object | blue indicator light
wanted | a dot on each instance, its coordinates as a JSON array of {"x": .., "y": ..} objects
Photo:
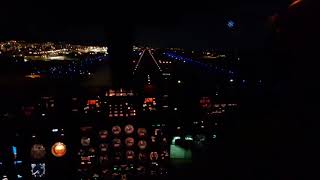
[{"x": 14, "y": 150}]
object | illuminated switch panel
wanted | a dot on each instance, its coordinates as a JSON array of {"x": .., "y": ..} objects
[
  {"x": 43, "y": 153},
  {"x": 88, "y": 153},
  {"x": 214, "y": 108},
  {"x": 122, "y": 150},
  {"x": 121, "y": 109},
  {"x": 149, "y": 104},
  {"x": 47, "y": 104},
  {"x": 205, "y": 102},
  {"x": 92, "y": 105},
  {"x": 28, "y": 110},
  {"x": 75, "y": 104},
  {"x": 119, "y": 92}
]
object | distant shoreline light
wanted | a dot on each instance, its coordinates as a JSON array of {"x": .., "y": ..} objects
[{"x": 48, "y": 58}]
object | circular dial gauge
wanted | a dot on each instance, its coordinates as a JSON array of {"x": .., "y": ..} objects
[
  {"x": 142, "y": 132},
  {"x": 92, "y": 150},
  {"x": 38, "y": 151},
  {"x": 103, "y": 159},
  {"x": 105, "y": 172},
  {"x": 142, "y": 156},
  {"x": 81, "y": 152},
  {"x": 116, "y": 130},
  {"x": 116, "y": 143},
  {"x": 142, "y": 144},
  {"x": 130, "y": 155},
  {"x": 200, "y": 139},
  {"x": 58, "y": 149},
  {"x": 85, "y": 141},
  {"x": 103, "y": 134},
  {"x": 117, "y": 156},
  {"x": 129, "y": 129},
  {"x": 129, "y": 141},
  {"x": 38, "y": 170},
  {"x": 154, "y": 156},
  {"x": 103, "y": 148},
  {"x": 164, "y": 155},
  {"x": 141, "y": 170}
]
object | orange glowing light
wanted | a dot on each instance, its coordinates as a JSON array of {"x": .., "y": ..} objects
[
  {"x": 59, "y": 149},
  {"x": 149, "y": 100},
  {"x": 92, "y": 102},
  {"x": 295, "y": 2},
  {"x": 33, "y": 76}
]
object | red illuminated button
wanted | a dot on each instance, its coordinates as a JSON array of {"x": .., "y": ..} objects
[
  {"x": 103, "y": 134},
  {"x": 116, "y": 143},
  {"x": 116, "y": 130},
  {"x": 142, "y": 144},
  {"x": 142, "y": 132},
  {"x": 154, "y": 156},
  {"x": 129, "y": 141},
  {"x": 130, "y": 155},
  {"x": 129, "y": 129}
]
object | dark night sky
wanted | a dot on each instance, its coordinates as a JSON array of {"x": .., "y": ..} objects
[{"x": 162, "y": 24}]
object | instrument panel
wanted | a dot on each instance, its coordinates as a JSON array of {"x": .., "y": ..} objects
[{"x": 95, "y": 146}]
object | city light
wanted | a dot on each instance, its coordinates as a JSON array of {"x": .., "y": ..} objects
[{"x": 48, "y": 51}]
